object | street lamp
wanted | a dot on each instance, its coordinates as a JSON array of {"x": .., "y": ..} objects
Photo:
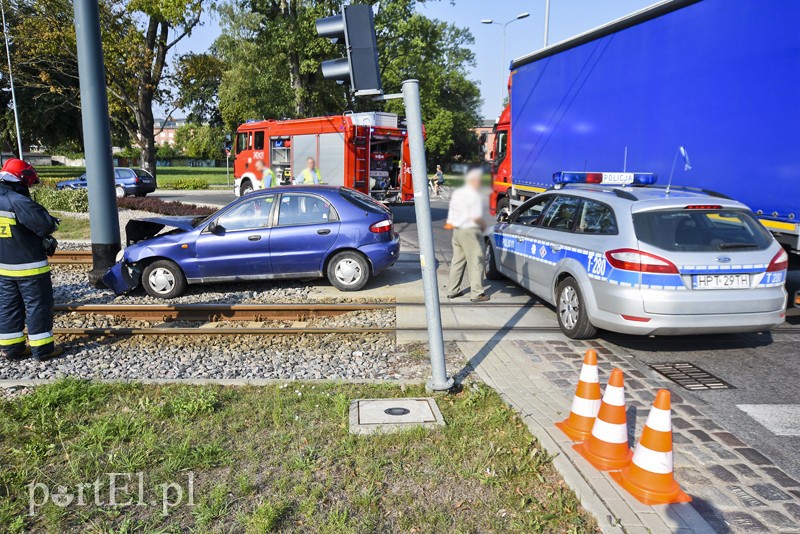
[{"x": 504, "y": 25}]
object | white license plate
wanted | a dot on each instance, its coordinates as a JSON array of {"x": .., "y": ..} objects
[{"x": 721, "y": 281}]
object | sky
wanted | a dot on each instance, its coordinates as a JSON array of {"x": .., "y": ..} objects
[{"x": 567, "y": 18}]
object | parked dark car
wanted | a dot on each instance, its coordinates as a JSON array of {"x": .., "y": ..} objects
[
  {"x": 278, "y": 233},
  {"x": 130, "y": 181}
]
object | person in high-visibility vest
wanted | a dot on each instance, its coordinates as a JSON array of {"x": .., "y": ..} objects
[
  {"x": 26, "y": 290},
  {"x": 310, "y": 174},
  {"x": 268, "y": 177}
]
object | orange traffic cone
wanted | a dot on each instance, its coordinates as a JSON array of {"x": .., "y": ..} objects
[
  {"x": 607, "y": 447},
  {"x": 586, "y": 403},
  {"x": 649, "y": 475}
]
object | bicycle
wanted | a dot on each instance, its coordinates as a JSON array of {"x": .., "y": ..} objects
[{"x": 444, "y": 190}]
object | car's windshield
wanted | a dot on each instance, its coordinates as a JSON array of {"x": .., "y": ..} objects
[{"x": 701, "y": 230}]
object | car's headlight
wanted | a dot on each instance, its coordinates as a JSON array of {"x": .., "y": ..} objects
[{"x": 120, "y": 254}]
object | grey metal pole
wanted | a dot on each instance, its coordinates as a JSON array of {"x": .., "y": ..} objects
[
  {"x": 11, "y": 82},
  {"x": 546, "y": 21},
  {"x": 104, "y": 220},
  {"x": 422, "y": 208}
]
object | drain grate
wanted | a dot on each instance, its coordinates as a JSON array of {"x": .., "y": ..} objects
[{"x": 690, "y": 376}]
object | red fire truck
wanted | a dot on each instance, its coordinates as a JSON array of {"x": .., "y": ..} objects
[{"x": 367, "y": 152}]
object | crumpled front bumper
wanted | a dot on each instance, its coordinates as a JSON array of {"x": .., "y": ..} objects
[{"x": 122, "y": 277}]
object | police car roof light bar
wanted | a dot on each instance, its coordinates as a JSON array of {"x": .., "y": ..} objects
[{"x": 604, "y": 178}]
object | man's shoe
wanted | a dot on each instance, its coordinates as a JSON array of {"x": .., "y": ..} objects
[
  {"x": 483, "y": 297},
  {"x": 453, "y": 295},
  {"x": 16, "y": 355},
  {"x": 58, "y": 350}
]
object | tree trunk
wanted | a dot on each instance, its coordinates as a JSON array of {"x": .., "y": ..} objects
[{"x": 146, "y": 140}]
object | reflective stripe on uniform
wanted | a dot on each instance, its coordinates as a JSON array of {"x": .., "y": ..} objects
[
  {"x": 11, "y": 339},
  {"x": 24, "y": 269},
  {"x": 37, "y": 340},
  {"x": 8, "y": 214}
]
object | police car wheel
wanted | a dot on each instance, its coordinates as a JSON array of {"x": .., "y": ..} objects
[
  {"x": 490, "y": 263},
  {"x": 247, "y": 188},
  {"x": 571, "y": 311},
  {"x": 120, "y": 191},
  {"x": 163, "y": 279},
  {"x": 503, "y": 208},
  {"x": 348, "y": 271}
]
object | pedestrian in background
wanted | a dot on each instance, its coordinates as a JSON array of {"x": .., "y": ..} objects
[
  {"x": 26, "y": 290},
  {"x": 267, "y": 174},
  {"x": 310, "y": 174},
  {"x": 465, "y": 218}
]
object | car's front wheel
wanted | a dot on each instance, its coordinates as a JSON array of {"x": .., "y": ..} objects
[
  {"x": 571, "y": 311},
  {"x": 163, "y": 279},
  {"x": 348, "y": 271},
  {"x": 120, "y": 192},
  {"x": 492, "y": 273}
]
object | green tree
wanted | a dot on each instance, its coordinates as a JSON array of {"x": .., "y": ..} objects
[
  {"x": 272, "y": 56},
  {"x": 137, "y": 37},
  {"x": 201, "y": 141}
]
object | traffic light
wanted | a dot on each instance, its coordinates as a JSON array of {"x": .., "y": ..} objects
[{"x": 356, "y": 28}]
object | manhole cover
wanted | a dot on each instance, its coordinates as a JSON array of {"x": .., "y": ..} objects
[
  {"x": 397, "y": 411},
  {"x": 689, "y": 376}
]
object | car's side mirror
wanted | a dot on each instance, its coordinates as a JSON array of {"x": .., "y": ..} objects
[
  {"x": 503, "y": 217},
  {"x": 215, "y": 228}
]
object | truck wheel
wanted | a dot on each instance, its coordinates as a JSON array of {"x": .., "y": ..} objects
[
  {"x": 490, "y": 263},
  {"x": 503, "y": 208},
  {"x": 571, "y": 311},
  {"x": 348, "y": 271},
  {"x": 163, "y": 279},
  {"x": 120, "y": 191},
  {"x": 246, "y": 188}
]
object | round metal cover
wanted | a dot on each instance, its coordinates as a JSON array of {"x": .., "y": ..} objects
[{"x": 397, "y": 411}]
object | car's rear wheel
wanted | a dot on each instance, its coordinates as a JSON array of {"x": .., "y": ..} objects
[
  {"x": 492, "y": 273},
  {"x": 348, "y": 271},
  {"x": 571, "y": 311},
  {"x": 120, "y": 192},
  {"x": 163, "y": 279},
  {"x": 246, "y": 188}
]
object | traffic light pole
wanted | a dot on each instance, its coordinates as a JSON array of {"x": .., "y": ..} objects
[
  {"x": 422, "y": 207},
  {"x": 104, "y": 219}
]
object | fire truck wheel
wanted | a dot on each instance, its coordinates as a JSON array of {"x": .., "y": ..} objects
[
  {"x": 503, "y": 208},
  {"x": 348, "y": 271},
  {"x": 246, "y": 187}
]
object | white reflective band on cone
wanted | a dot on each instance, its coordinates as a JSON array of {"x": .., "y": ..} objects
[
  {"x": 653, "y": 461},
  {"x": 610, "y": 432},
  {"x": 585, "y": 407},
  {"x": 614, "y": 395},
  {"x": 659, "y": 420},
  {"x": 589, "y": 373}
]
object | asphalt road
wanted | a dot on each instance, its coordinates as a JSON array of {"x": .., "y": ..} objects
[{"x": 764, "y": 369}]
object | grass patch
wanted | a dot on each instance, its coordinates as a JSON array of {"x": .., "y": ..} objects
[
  {"x": 275, "y": 458},
  {"x": 71, "y": 228}
]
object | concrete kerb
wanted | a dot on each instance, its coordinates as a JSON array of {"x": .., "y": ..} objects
[{"x": 5, "y": 383}]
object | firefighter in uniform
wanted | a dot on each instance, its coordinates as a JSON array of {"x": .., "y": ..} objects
[
  {"x": 310, "y": 175},
  {"x": 267, "y": 175},
  {"x": 26, "y": 290}
]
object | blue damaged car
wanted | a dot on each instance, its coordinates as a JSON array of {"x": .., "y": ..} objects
[{"x": 287, "y": 232}]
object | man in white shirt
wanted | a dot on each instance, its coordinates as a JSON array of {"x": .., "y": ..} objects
[{"x": 465, "y": 217}]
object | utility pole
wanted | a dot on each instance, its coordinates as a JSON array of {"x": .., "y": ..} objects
[
  {"x": 11, "y": 81},
  {"x": 427, "y": 258},
  {"x": 546, "y": 21},
  {"x": 104, "y": 219}
]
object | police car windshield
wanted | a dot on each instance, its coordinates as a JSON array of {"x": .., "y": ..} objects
[{"x": 698, "y": 230}]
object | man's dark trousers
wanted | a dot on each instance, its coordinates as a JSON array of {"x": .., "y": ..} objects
[{"x": 26, "y": 300}]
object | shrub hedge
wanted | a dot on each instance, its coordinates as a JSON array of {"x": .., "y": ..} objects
[
  {"x": 184, "y": 183},
  {"x": 156, "y": 205},
  {"x": 76, "y": 200}
]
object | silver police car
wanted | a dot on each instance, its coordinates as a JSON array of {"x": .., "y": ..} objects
[{"x": 636, "y": 259}]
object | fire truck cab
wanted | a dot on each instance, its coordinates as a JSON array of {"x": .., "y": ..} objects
[{"x": 367, "y": 152}]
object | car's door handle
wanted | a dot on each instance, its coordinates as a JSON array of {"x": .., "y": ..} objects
[
  {"x": 520, "y": 239},
  {"x": 555, "y": 248},
  {"x": 324, "y": 231},
  {"x": 254, "y": 238}
]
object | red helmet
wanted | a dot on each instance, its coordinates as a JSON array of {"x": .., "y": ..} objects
[{"x": 22, "y": 170}]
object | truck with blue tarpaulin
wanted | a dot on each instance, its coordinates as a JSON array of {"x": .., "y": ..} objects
[{"x": 718, "y": 77}]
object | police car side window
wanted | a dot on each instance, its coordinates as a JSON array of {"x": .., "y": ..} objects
[
  {"x": 530, "y": 213},
  {"x": 596, "y": 218},
  {"x": 560, "y": 214}
]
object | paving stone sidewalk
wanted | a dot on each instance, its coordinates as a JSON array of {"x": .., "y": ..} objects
[{"x": 734, "y": 487}]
